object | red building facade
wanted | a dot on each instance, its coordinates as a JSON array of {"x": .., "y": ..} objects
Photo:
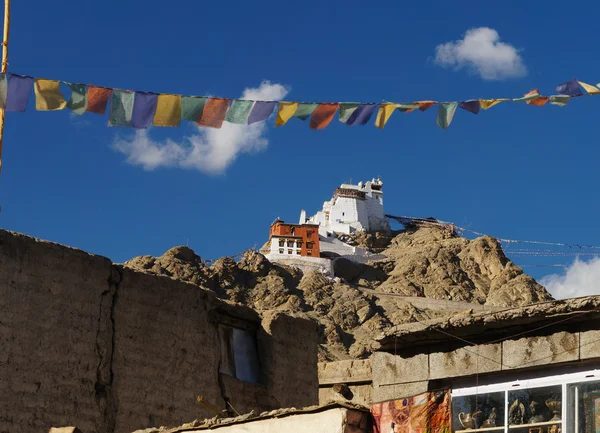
[{"x": 305, "y": 236}]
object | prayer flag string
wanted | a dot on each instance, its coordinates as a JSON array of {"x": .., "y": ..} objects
[{"x": 140, "y": 109}]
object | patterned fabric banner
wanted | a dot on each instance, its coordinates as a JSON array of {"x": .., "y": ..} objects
[
  {"x": 384, "y": 114},
  {"x": 97, "y": 99},
  {"x": 192, "y": 107},
  {"x": 168, "y": 111},
  {"x": 489, "y": 103},
  {"x": 407, "y": 108},
  {"x": 17, "y": 95},
  {"x": 304, "y": 110},
  {"x": 261, "y": 111},
  {"x": 3, "y": 89},
  {"x": 445, "y": 114},
  {"x": 144, "y": 107},
  {"x": 285, "y": 112},
  {"x": 424, "y": 413},
  {"x": 78, "y": 101},
  {"x": 323, "y": 115},
  {"x": 121, "y": 107},
  {"x": 472, "y": 105},
  {"x": 239, "y": 111},
  {"x": 214, "y": 113},
  {"x": 347, "y": 109},
  {"x": 362, "y": 114},
  {"x": 592, "y": 90},
  {"x": 48, "y": 96},
  {"x": 570, "y": 88},
  {"x": 560, "y": 100}
]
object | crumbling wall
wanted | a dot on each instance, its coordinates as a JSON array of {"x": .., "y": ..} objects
[{"x": 88, "y": 343}]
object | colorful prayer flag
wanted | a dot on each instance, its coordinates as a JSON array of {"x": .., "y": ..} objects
[
  {"x": 192, "y": 107},
  {"x": 97, "y": 99},
  {"x": 48, "y": 96},
  {"x": 425, "y": 105},
  {"x": 489, "y": 103},
  {"x": 407, "y": 108},
  {"x": 560, "y": 100},
  {"x": 214, "y": 112},
  {"x": 570, "y": 88},
  {"x": 78, "y": 101},
  {"x": 239, "y": 111},
  {"x": 445, "y": 114},
  {"x": 261, "y": 111},
  {"x": 323, "y": 115},
  {"x": 592, "y": 90},
  {"x": 121, "y": 107},
  {"x": 304, "y": 110},
  {"x": 384, "y": 114},
  {"x": 346, "y": 110},
  {"x": 472, "y": 105},
  {"x": 168, "y": 110},
  {"x": 529, "y": 96},
  {"x": 3, "y": 89},
  {"x": 17, "y": 95},
  {"x": 144, "y": 108},
  {"x": 362, "y": 114},
  {"x": 285, "y": 112}
]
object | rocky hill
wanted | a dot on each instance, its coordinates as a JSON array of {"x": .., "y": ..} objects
[{"x": 429, "y": 272}]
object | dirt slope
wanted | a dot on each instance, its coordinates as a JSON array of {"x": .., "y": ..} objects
[{"x": 423, "y": 265}]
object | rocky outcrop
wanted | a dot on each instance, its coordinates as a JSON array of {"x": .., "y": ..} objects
[{"x": 429, "y": 272}]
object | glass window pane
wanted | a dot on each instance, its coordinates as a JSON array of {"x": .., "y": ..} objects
[
  {"x": 247, "y": 366},
  {"x": 482, "y": 411},
  {"x": 535, "y": 410},
  {"x": 583, "y": 407}
]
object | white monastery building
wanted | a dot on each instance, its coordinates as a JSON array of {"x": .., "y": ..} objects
[
  {"x": 314, "y": 243},
  {"x": 352, "y": 208}
]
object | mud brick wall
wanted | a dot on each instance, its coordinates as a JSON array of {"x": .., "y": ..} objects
[{"x": 85, "y": 342}]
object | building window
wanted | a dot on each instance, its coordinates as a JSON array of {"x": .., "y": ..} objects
[
  {"x": 290, "y": 251},
  {"x": 309, "y": 253},
  {"x": 309, "y": 244},
  {"x": 298, "y": 252},
  {"x": 309, "y": 233},
  {"x": 281, "y": 242},
  {"x": 239, "y": 354},
  {"x": 290, "y": 244},
  {"x": 280, "y": 250}
]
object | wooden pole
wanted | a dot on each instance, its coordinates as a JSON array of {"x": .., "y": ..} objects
[{"x": 4, "y": 66}]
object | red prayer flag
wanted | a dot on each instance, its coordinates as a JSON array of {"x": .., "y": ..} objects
[
  {"x": 424, "y": 105},
  {"x": 214, "y": 112},
  {"x": 97, "y": 99},
  {"x": 323, "y": 115}
]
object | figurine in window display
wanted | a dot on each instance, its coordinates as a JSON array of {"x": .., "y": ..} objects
[
  {"x": 468, "y": 420},
  {"x": 516, "y": 412},
  {"x": 537, "y": 414},
  {"x": 491, "y": 419},
  {"x": 554, "y": 429},
  {"x": 554, "y": 406}
]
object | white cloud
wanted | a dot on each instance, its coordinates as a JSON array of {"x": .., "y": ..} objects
[
  {"x": 481, "y": 52},
  {"x": 208, "y": 150},
  {"x": 580, "y": 279}
]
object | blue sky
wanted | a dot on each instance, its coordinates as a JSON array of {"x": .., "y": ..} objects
[{"x": 514, "y": 171}]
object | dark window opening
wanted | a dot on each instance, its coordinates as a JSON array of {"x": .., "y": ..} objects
[{"x": 239, "y": 354}]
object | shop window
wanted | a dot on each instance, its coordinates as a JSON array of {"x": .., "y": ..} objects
[
  {"x": 239, "y": 354},
  {"x": 583, "y": 407}
]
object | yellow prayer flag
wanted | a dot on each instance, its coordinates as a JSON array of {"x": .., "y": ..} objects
[
  {"x": 592, "y": 90},
  {"x": 168, "y": 111},
  {"x": 384, "y": 113},
  {"x": 48, "y": 96},
  {"x": 285, "y": 112},
  {"x": 489, "y": 103}
]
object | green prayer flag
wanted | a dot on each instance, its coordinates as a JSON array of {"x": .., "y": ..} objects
[
  {"x": 121, "y": 107},
  {"x": 407, "y": 107},
  {"x": 346, "y": 110},
  {"x": 528, "y": 97},
  {"x": 78, "y": 101},
  {"x": 239, "y": 111},
  {"x": 304, "y": 110},
  {"x": 560, "y": 100},
  {"x": 3, "y": 89},
  {"x": 192, "y": 107},
  {"x": 446, "y": 112}
]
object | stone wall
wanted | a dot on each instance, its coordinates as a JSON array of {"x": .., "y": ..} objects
[
  {"x": 88, "y": 343},
  {"x": 355, "y": 374}
]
